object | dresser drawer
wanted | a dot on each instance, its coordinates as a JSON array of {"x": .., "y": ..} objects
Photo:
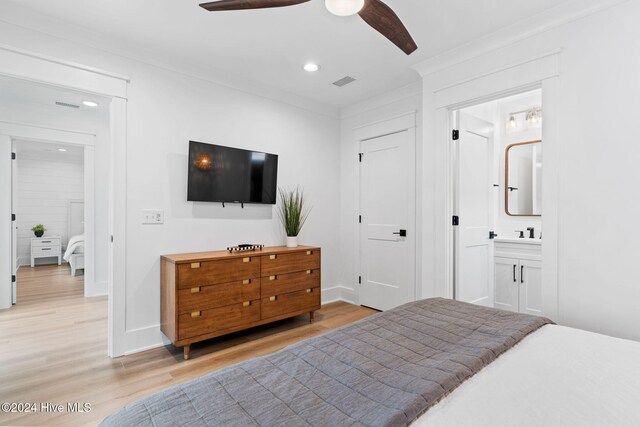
[
  {"x": 206, "y": 297},
  {"x": 277, "y": 305},
  {"x": 223, "y": 271},
  {"x": 291, "y": 262},
  {"x": 46, "y": 242},
  {"x": 217, "y": 319},
  {"x": 284, "y": 283},
  {"x": 39, "y": 251}
]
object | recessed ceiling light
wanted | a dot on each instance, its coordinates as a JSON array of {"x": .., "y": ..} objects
[
  {"x": 311, "y": 67},
  {"x": 89, "y": 104},
  {"x": 62, "y": 149}
]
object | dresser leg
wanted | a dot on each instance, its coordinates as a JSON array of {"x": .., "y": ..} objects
[
  {"x": 311, "y": 316},
  {"x": 187, "y": 351}
]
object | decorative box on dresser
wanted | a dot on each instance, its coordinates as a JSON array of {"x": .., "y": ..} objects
[{"x": 209, "y": 294}]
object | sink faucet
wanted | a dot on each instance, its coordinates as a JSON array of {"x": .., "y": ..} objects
[{"x": 532, "y": 232}]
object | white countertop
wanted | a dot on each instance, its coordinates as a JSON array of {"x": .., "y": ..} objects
[{"x": 524, "y": 241}]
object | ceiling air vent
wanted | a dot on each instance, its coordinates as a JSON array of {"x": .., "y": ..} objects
[
  {"x": 344, "y": 81},
  {"x": 66, "y": 104}
]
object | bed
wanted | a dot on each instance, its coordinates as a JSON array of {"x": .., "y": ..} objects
[
  {"x": 434, "y": 362},
  {"x": 74, "y": 254}
]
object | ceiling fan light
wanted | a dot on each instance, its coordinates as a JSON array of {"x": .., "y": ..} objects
[{"x": 344, "y": 7}]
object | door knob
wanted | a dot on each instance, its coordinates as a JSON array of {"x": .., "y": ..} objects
[{"x": 401, "y": 233}]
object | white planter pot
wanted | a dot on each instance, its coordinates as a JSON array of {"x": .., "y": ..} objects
[{"x": 292, "y": 242}]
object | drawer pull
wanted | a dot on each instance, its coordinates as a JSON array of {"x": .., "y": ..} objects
[
  {"x": 246, "y": 304},
  {"x": 247, "y": 259},
  {"x": 46, "y": 241},
  {"x": 273, "y": 256},
  {"x": 46, "y": 249},
  {"x": 273, "y": 277},
  {"x": 195, "y": 290},
  {"x": 273, "y": 298},
  {"x": 246, "y": 281},
  {"x": 195, "y": 314},
  {"x": 309, "y": 252},
  {"x": 309, "y": 291},
  {"x": 308, "y": 271},
  {"x": 195, "y": 265}
]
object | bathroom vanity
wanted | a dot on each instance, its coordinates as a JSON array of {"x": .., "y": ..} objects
[{"x": 518, "y": 275}]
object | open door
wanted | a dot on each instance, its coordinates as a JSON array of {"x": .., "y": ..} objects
[
  {"x": 6, "y": 224},
  {"x": 473, "y": 205},
  {"x": 14, "y": 224}
]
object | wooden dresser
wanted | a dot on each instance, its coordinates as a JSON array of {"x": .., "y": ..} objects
[{"x": 208, "y": 294}]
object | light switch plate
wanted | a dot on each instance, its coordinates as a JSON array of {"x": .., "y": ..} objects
[{"x": 153, "y": 216}]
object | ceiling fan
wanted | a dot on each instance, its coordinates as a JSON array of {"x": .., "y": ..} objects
[{"x": 374, "y": 12}]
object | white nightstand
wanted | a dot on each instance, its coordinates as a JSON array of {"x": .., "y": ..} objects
[{"x": 46, "y": 247}]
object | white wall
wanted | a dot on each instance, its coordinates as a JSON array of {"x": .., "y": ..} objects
[
  {"x": 166, "y": 109},
  {"x": 398, "y": 102},
  {"x": 596, "y": 130},
  {"x": 47, "y": 182}
]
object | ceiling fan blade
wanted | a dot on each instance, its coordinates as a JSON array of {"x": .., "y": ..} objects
[
  {"x": 215, "y": 6},
  {"x": 384, "y": 20}
]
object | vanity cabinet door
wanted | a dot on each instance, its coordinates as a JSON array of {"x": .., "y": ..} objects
[
  {"x": 507, "y": 282},
  {"x": 530, "y": 287}
]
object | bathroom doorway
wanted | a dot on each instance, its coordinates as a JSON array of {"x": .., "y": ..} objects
[{"x": 497, "y": 203}]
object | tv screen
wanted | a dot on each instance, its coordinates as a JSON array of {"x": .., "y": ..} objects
[{"x": 225, "y": 174}]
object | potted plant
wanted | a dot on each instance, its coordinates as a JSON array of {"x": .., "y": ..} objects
[
  {"x": 293, "y": 213},
  {"x": 38, "y": 230}
]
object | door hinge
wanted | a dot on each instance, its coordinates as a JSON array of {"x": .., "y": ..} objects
[
  {"x": 13, "y": 278},
  {"x": 359, "y": 219},
  {"x": 455, "y": 221},
  {"x": 360, "y": 280},
  {"x": 455, "y": 134},
  {"x": 13, "y": 156},
  {"x": 360, "y": 157},
  {"x": 13, "y": 217}
]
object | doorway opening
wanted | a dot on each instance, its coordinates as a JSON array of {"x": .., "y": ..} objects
[
  {"x": 59, "y": 198},
  {"x": 497, "y": 203}
]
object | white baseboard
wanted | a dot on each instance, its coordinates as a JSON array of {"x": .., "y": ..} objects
[
  {"x": 97, "y": 290},
  {"x": 142, "y": 339},
  {"x": 339, "y": 293}
]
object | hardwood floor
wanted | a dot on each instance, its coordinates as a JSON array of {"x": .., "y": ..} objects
[{"x": 53, "y": 347}]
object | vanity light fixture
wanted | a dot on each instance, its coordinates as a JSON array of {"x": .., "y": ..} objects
[
  {"x": 532, "y": 117},
  {"x": 62, "y": 150},
  {"x": 91, "y": 104}
]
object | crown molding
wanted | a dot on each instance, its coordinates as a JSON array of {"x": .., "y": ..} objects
[{"x": 522, "y": 30}]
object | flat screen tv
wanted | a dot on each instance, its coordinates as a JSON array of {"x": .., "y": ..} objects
[{"x": 225, "y": 174}]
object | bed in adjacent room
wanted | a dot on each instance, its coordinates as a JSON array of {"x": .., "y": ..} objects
[
  {"x": 74, "y": 253},
  {"x": 434, "y": 362}
]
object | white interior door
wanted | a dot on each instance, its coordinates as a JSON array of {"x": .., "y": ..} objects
[
  {"x": 474, "y": 207},
  {"x": 387, "y": 231},
  {"x": 6, "y": 225},
  {"x": 14, "y": 225}
]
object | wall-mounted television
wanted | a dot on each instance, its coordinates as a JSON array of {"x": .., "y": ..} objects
[{"x": 225, "y": 174}]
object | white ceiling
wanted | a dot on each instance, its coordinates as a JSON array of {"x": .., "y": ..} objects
[{"x": 268, "y": 47}]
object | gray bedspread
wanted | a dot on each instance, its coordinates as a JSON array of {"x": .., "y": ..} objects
[{"x": 385, "y": 370}]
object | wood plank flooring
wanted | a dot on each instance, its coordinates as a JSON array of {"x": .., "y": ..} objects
[{"x": 53, "y": 347}]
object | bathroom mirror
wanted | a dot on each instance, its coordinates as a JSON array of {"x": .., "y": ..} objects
[{"x": 523, "y": 179}]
